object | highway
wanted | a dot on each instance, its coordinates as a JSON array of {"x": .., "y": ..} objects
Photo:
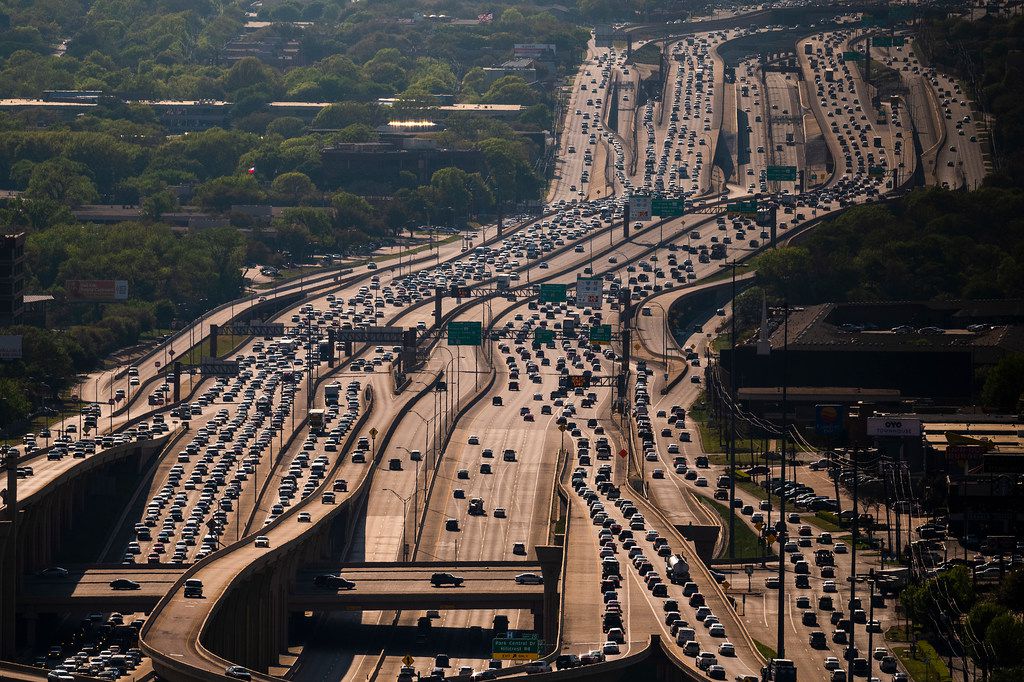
[{"x": 249, "y": 491}]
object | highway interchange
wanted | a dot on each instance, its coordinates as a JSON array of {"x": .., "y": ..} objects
[{"x": 249, "y": 475}]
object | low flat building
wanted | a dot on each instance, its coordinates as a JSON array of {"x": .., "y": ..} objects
[{"x": 926, "y": 351}]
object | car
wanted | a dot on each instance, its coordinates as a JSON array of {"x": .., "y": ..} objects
[
  {"x": 717, "y": 630},
  {"x": 499, "y": 513},
  {"x": 519, "y": 548},
  {"x": 238, "y": 672},
  {"x": 53, "y": 572},
  {"x": 726, "y": 649},
  {"x": 262, "y": 541},
  {"x": 304, "y": 517},
  {"x": 831, "y": 663},
  {"x": 534, "y": 667},
  {"x": 474, "y": 440},
  {"x": 715, "y": 671},
  {"x": 333, "y": 582},
  {"x": 610, "y": 648},
  {"x": 441, "y": 579},
  {"x": 840, "y": 548},
  {"x": 124, "y": 584},
  {"x": 529, "y": 579}
]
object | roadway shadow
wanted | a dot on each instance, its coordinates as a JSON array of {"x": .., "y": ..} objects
[{"x": 350, "y": 638}]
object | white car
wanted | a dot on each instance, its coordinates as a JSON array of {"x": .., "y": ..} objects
[
  {"x": 829, "y": 586},
  {"x": 717, "y": 630},
  {"x": 726, "y": 649},
  {"x": 529, "y": 579},
  {"x": 610, "y": 648}
]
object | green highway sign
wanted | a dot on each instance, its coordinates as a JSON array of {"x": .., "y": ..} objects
[
  {"x": 888, "y": 41},
  {"x": 464, "y": 333},
  {"x": 748, "y": 207},
  {"x": 543, "y": 336},
  {"x": 516, "y": 648},
  {"x": 876, "y": 171},
  {"x": 782, "y": 173},
  {"x": 852, "y": 56},
  {"x": 552, "y": 293},
  {"x": 601, "y": 333},
  {"x": 667, "y": 207}
]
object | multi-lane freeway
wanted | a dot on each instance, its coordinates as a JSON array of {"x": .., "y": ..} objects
[{"x": 297, "y": 518}]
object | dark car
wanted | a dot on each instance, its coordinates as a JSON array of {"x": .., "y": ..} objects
[
  {"x": 567, "y": 661},
  {"x": 124, "y": 584},
  {"x": 333, "y": 582},
  {"x": 441, "y": 579}
]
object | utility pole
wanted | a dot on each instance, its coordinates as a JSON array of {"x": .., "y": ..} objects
[
  {"x": 871, "y": 630},
  {"x": 732, "y": 415},
  {"x": 851, "y": 649},
  {"x": 780, "y": 635},
  {"x": 9, "y": 558}
]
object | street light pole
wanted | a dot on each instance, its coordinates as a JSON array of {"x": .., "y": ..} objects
[
  {"x": 780, "y": 646},
  {"x": 405, "y": 520},
  {"x": 732, "y": 415}
]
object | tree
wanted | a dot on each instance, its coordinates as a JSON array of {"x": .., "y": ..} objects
[
  {"x": 451, "y": 186},
  {"x": 785, "y": 271},
  {"x": 293, "y": 187},
  {"x": 221, "y": 193},
  {"x": 1005, "y": 637},
  {"x": 344, "y": 114},
  {"x": 63, "y": 181},
  {"x": 510, "y": 90},
  {"x": 286, "y": 126},
  {"x": 249, "y": 72},
  {"x": 1004, "y": 388},
  {"x": 155, "y": 205},
  {"x": 14, "y": 404},
  {"x": 981, "y": 615},
  {"x": 351, "y": 210}
]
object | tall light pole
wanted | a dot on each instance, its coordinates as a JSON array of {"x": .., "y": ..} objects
[
  {"x": 405, "y": 520},
  {"x": 732, "y": 414},
  {"x": 781, "y": 624},
  {"x": 664, "y": 336}
]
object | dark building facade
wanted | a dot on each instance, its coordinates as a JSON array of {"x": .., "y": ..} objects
[{"x": 12, "y": 278}]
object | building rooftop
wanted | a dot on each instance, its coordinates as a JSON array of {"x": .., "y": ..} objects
[{"x": 906, "y": 325}]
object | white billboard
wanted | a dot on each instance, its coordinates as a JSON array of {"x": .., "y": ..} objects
[
  {"x": 899, "y": 427},
  {"x": 10, "y": 347},
  {"x": 589, "y": 292},
  {"x": 639, "y": 207}
]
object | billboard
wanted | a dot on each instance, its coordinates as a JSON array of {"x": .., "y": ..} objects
[
  {"x": 899, "y": 427},
  {"x": 589, "y": 292},
  {"x": 830, "y": 420},
  {"x": 10, "y": 347},
  {"x": 96, "y": 289},
  {"x": 639, "y": 207}
]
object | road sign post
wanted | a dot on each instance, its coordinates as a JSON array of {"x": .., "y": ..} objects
[
  {"x": 552, "y": 293},
  {"x": 781, "y": 173},
  {"x": 525, "y": 647},
  {"x": 742, "y": 207},
  {"x": 464, "y": 333},
  {"x": 601, "y": 334},
  {"x": 667, "y": 207},
  {"x": 543, "y": 336}
]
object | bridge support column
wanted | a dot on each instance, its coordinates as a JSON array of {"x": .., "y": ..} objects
[
  {"x": 264, "y": 624},
  {"x": 550, "y": 558}
]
